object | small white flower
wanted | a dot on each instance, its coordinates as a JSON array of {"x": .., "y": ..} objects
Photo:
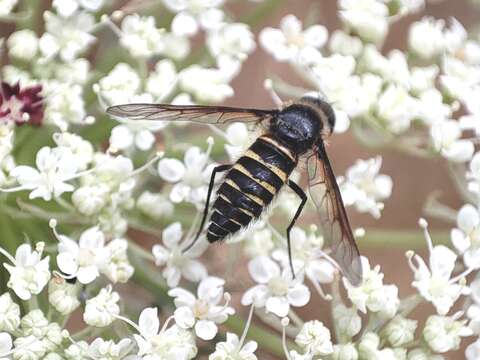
[
  {"x": 28, "y": 347},
  {"x": 443, "y": 333},
  {"x": 23, "y": 44},
  {"x": 5, "y": 345},
  {"x": 344, "y": 352},
  {"x": 473, "y": 351},
  {"x": 63, "y": 296},
  {"x": 120, "y": 85},
  {"x": 446, "y": 137},
  {"x": 231, "y": 44},
  {"x": 232, "y": 349},
  {"x": 176, "y": 262},
  {"x": 344, "y": 44},
  {"x": 348, "y": 321},
  {"x": 68, "y": 8},
  {"x": 367, "y": 18},
  {"x": 400, "y": 331},
  {"x": 66, "y": 37},
  {"x": 89, "y": 200},
  {"x": 425, "y": 37},
  {"x": 140, "y": 36},
  {"x": 397, "y": 108},
  {"x": 81, "y": 149},
  {"x": 369, "y": 345},
  {"x": 364, "y": 187},
  {"x": 54, "y": 168},
  {"x": 314, "y": 337},
  {"x": 84, "y": 259},
  {"x": 459, "y": 78},
  {"x": 372, "y": 294},
  {"x": 276, "y": 290},
  {"x": 155, "y": 343},
  {"x": 118, "y": 268},
  {"x": 286, "y": 43},
  {"x": 161, "y": 82},
  {"x": 9, "y": 313},
  {"x": 29, "y": 273},
  {"x": 109, "y": 350},
  {"x": 6, "y": 6},
  {"x": 239, "y": 139},
  {"x": 65, "y": 107},
  {"x": 431, "y": 108},
  {"x": 125, "y": 137},
  {"x": 103, "y": 309},
  {"x": 206, "y": 84},
  {"x": 466, "y": 237},
  {"x": 191, "y": 14},
  {"x": 306, "y": 255},
  {"x": 190, "y": 177},
  {"x": 202, "y": 313},
  {"x": 434, "y": 282},
  {"x": 258, "y": 240},
  {"x": 155, "y": 205}
]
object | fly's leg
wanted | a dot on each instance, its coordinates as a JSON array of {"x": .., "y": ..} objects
[
  {"x": 298, "y": 190},
  {"x": 217, "y": 169}
]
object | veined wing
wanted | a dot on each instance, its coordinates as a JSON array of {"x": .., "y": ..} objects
[
  {"x": 195, "y": 113},
  {"x": 328, "y": 200}
]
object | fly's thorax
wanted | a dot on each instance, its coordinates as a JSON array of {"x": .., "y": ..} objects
[{"x": 298, "y": 127}]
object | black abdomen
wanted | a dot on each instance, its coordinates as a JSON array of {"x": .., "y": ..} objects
[{"x": 249, "y": 186}]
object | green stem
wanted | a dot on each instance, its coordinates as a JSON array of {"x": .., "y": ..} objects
[{"x": 401, "y": 239}]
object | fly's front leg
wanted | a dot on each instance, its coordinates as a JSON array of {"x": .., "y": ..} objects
[
  {"x": 217, "y": 169},
  {"x": 298, "y": 190}
]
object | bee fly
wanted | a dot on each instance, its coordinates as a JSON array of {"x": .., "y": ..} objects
[{"x": 297, "y": 131}]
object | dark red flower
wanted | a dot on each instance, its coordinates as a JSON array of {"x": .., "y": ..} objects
[{"x": 21, "y": 105}]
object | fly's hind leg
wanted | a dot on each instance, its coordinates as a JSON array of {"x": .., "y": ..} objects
[
  {"x": 217, "y": 169},
  {"x": 298, "y": 190}
]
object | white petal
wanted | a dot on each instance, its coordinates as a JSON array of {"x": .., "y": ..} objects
[
  {"x": 121, "y": 137},
  {"x": 144, "y": 140},
  {"x": 172, "y": 234},
  {"x": 210, "y": 288},
  {"x": 257, "y": 295},
  {"x": 171, "y": 170},
  {"x": 184, "y": 25},
  {"x": 278, "y": 305},
  {"x": 468, "y": 218},
  {"x": 66, "y": 262},
  {"x": 206, "y": 330},
  {"x": 182, "y": 297},
  {"x": 298, "y": 295},
  {"x": 342, "y": 121},
  {"x": 5, "y": 343},
  {"x": 87, "y": 274},
  {"x": 149, "y": 323},
  {"x": 459, "y": 240},
  {"x": 262, "y": 269},
  {"x": 194, "y": 270},
  {"x": 316, "y": 36},
  {"x": 184, "y": 317},
  {"x": 194, "y": 158}
]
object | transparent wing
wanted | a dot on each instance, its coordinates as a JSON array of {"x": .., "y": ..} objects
[
  {"x": 196, "y": 113},
  {"x": 326, "y": 195}
]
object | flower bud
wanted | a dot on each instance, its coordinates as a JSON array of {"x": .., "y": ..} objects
[
  {"x": 119, "y": 268},
  {"x": 28, "y": 348},
  {"x": 315, "y": 338},
  {"x": 89, "y": 200},
  {"x": 63, "y": 295},
  {"x": 53, "y": 336},
  {"x": 400, "y": 331},
  {"x": 368, "y": 346},
  {"x": 154, "y": 205},
  {"x": 344, "y": 352},
  {"x": 101, "y": 310},
  {"x": 23, "y": 44},
  {"x": 347, "y": 320},
  {"x": 34, "y": 323},
  {"x": 9, "y": 313}
]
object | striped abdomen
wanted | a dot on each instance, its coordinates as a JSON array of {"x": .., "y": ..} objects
[{"x": 249, "y": 186}]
